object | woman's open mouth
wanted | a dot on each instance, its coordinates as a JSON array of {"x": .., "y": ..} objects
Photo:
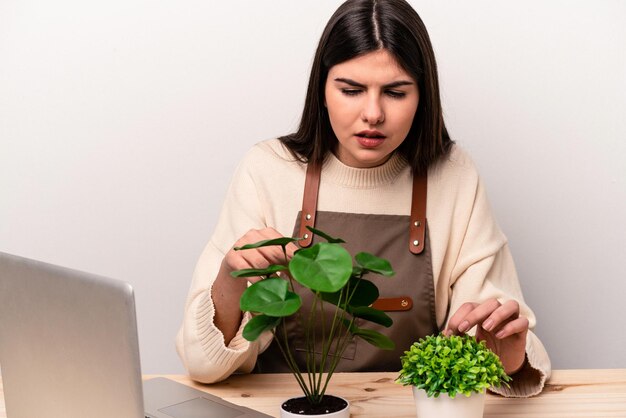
[{"x": 370, "y": 139}]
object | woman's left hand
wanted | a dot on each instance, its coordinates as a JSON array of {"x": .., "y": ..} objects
[{"x": 499, "y": 325}]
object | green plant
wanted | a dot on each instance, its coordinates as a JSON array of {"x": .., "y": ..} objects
[
  {"x": 326, "y": 270},
  {"x": 455, "y": 364}
]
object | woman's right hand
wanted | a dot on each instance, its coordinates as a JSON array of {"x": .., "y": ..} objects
[
  {"x": 257, "y": 258},
  {"x": 227, "y": 290}
]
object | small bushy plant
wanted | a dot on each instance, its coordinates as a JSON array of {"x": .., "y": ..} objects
[{"x": 452, "y": 365}]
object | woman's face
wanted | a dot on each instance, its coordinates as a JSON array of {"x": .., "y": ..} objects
[{"x": 371, "y": 103}]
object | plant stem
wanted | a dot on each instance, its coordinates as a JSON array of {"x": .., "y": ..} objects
[
  {"x": 326, "y": 348},
  {"x": 291, "y": 363},
  {"x": 342, "y": 341},
  {"x": 310, "y": 349},
  {"x": 286, "y": 263},
  {"x": 324, "y": 342},
  {"x": 337, "y": 356},
  {"x": 337, "y": 353}
]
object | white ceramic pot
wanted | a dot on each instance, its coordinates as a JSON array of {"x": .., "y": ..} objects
[
  {"x": 344, "y": 413},
  {"x": 443, "y": 406}
]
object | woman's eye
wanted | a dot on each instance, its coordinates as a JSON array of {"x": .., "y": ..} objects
[
  {"x": 350, "y": 92},
  {"x": 395, "y": 94}
]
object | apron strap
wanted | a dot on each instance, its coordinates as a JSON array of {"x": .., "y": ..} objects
[
  {"x": 309, "y": 203},
  {"x": 417, "y": 228}
]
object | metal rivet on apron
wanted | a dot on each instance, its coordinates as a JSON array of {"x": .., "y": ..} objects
[
  {"x": 416, "y": 242},
  {"x": 404, "y": 303},
  {"x": 306, "y": 236},
  {"x": 308, "y": 216},
  {"x": 417, "y": 223}
]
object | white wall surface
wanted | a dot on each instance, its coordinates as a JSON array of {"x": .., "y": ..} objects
[{"x": 121, "y": 123}]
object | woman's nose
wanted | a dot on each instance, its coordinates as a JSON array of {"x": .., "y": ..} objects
[{"x": 373, "y": 112}]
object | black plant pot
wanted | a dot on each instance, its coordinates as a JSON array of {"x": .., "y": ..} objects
[{"x": 330, "y": 407}]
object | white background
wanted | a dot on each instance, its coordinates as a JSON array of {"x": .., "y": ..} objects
[{"x": 121, "y": 123}]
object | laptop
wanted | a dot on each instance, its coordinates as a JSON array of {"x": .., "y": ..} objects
[{"x": 69, "y": 349}]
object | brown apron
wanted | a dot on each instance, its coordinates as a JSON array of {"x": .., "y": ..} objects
[{"x": 408, "y": 297}]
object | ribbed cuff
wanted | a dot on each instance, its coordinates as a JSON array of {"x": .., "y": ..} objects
[
  {"x": 216, "y": 361},
  {"x": 529, "y": 380},
  {"x": 239, "y": 343}
]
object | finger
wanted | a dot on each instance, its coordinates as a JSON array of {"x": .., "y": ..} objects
[
  {"x": 290, "y": 248},
  {"x": 240, "y": 260},
  {"x": 509, "y": 310},
  {"x": 478, "y": 314},
  {"x": 255, "y": 259},
  {"x": 274, "y": 254},
  {"x": 269, "y": 255},
  {"x": 243, "y": 259},
  {"x": 234, "y": 261},
  {"x": 516, "y": 326},
  {"x": 458, "y": 317}
]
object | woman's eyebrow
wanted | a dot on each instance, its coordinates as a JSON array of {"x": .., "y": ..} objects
[{"x": 387, "y": 86}]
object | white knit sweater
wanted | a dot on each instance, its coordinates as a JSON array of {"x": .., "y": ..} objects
[{"x": 470, "y": 257}]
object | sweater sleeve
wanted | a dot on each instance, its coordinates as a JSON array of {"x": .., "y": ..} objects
[
  {"x": 200, "y": 344},
  {"x": 484, "y": 269}
]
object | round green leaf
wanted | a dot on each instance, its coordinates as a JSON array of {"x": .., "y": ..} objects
[
  {"x": 365, "y": 292},
  {"x": 374, "y": 264},
  {"x": 270, "y": 297},
  {"x": 324, "y": 267},
  {"x": 257, "y": 325},
  {"x": 289, "y": 306}
]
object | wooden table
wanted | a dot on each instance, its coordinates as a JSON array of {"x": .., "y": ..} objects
[{"x": 569, "y": 393}]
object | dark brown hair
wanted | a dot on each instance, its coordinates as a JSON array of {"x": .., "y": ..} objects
[{"x": 359, "y": 27}]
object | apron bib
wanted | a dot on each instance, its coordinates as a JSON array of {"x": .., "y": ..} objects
[{"x": 408, "y": 297}]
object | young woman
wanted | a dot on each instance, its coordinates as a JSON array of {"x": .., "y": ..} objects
[{"x": 372, "y": 136}]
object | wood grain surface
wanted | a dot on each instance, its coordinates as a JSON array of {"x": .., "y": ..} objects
[{"x": 569, "y": 393}]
